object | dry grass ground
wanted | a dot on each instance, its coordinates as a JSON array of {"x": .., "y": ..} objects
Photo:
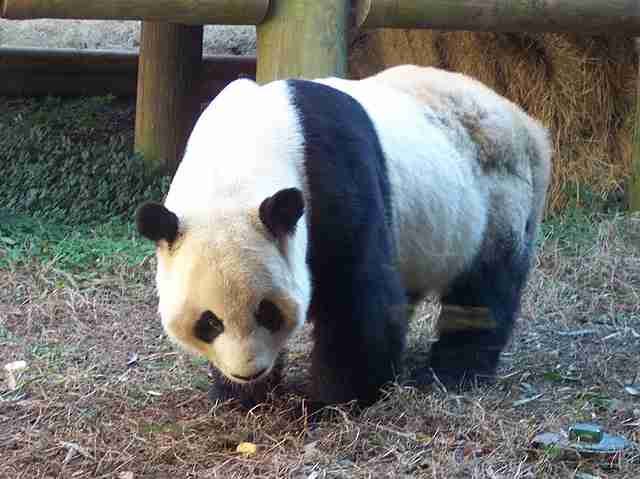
[{"x": 106, "y": 395}]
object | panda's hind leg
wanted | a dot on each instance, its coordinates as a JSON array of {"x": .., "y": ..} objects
[{"x": 478, "y": 314}]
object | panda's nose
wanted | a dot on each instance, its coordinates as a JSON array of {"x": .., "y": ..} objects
[{"x": 250, "y": 378}]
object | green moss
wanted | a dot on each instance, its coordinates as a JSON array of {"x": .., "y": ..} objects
[{"x": 72, "y": 161}]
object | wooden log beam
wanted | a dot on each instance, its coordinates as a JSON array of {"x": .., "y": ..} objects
[
  {"x": 573, "y": 16},
  {"x": 195, "y": 12},
  {"x": 303, "y": 38},
  {"x": 634, "y": 190},
  {"x": 167, "y": 104},
  {"x": 73, "y": 72}
]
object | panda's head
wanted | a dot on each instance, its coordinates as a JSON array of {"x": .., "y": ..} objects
[{"x": 232, "y": 283}]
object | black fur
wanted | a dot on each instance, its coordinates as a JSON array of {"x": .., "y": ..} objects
[
  {"x": 358, "y": 302},
  {"x": 269, "y": 316},
  {"x": 208, "y": 327},
  {"x": 155, "y": 222},
  {"x": 495, "y": 280},
  {"x": 281, "y": 212}
]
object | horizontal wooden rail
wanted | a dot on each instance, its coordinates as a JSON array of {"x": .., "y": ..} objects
[
  {"x": 571, "y": 16},
  {"x": 71, "y": 72},
  {"x": 195, "y": 12}
]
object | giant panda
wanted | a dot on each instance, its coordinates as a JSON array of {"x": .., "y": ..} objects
[{"x": 348, "y": 202}]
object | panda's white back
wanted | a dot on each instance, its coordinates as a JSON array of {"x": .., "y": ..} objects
[{"x": 439, "y": 201}]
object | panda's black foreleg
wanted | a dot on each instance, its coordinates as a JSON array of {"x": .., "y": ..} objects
[
  {"x": 477, "y": 318},
  {"x": 249, "y": 395},
  {"x": 359, "y": 337}
]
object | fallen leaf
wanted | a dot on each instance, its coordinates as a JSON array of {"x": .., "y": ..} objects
[
  {"x": 12, "y": 369},
  {"x": 74, "y": 448},
  {"x": 247, "y": 448},
  {"x": 15, "y": 366}
]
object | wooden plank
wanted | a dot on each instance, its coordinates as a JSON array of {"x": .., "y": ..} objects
[
  {"x": 634, "y": 188},
  {"x": 195, "y": 12},
  {"x": 303, "y": 38},
  {"x": 575, "y": 16},
  {"x": 167, "y": 103},
  {"x": 41, "y": 60},
  {"x": 73, "y": 72}
]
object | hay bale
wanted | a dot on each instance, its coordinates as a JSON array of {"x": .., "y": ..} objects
[
  {"x": 582, "y": 88},
  {"x": 371, "y": 53}
]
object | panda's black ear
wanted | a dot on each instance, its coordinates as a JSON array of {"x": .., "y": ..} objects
[
  {"x": 155, "y": 222},
  {"x": 280, "y": 213}
]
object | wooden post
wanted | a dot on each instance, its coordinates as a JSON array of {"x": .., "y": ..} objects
[
  {"x": 634, "y": 193},
  {"x": 575, "y": 16},
  {"x": 168, "y": 102},
  {"x": 303, "y": 38},
  {"x": 194, "y": 12}
]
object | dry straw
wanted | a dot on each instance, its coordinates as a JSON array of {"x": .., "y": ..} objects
[{"x": 582, "y": 88}]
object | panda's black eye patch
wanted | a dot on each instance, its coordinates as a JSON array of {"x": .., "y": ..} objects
[
  {"x": 269, "y": 316},
  {"x": 208, "y": 327}
]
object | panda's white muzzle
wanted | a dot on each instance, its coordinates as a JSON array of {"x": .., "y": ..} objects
[
  {"x": 246, "y": 361},
  {"x": 248, "y": 379},
  {"x": 246, "y": 375}
]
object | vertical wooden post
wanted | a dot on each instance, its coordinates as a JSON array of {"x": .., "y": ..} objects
[
  {"x": 634, "y": 193},
  {"x": 167, "y": 103},
  {"x": 303, "y": 39}
]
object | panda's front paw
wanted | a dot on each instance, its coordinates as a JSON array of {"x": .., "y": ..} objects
[
  {"x": 222, "y": 391},
  {"x": 248, "y": 396}
]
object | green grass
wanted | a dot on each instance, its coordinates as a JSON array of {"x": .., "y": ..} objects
[
  {"x": 71, "y": 185},
  {"x": 84, "y": 250},
  {"x": 573, "y": 229},
  {"x": 72, "y": 161}
]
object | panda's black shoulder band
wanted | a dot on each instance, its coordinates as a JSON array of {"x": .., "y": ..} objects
[{"x": 155, "y": 222}]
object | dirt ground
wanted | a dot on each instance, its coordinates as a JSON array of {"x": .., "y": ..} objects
[{"x": 105, "y": 394}]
